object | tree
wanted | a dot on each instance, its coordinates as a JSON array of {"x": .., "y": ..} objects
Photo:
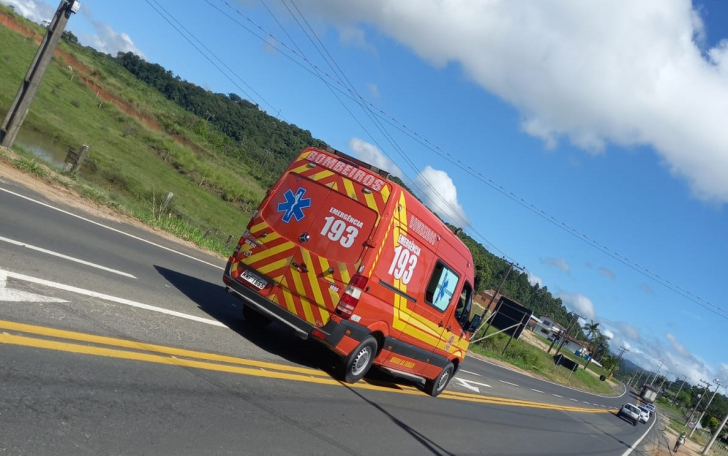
[
  {"x": 609, "y": 362},
  {"x": 591, "y": 329}
]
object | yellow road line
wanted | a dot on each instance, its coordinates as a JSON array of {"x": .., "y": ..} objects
[
  {"x": 244, "y": 366},
  {"x": 81, "y": 337}
]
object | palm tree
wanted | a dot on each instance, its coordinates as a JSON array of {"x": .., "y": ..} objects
[{"x": 591, "y": 329}]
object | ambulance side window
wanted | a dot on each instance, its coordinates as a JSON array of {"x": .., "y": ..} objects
[
  {"x": 441, "y": 287},
  {"x": 465, "y": 302}
]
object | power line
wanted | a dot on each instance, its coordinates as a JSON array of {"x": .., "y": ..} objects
[
  {"x": 154, "y": 5},
  {"x": 336, "y": 84}
]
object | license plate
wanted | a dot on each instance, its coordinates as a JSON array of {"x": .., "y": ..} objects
[{"x": 253, "y": 279}]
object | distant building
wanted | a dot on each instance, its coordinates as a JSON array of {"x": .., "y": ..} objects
[
  {"x": 546, "y": 327},
  {"x": 486, "y": 301}
]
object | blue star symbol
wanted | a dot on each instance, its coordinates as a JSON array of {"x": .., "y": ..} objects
[
  {"x": 294, "y": 205},
  {"x": 441, "y": 294}
]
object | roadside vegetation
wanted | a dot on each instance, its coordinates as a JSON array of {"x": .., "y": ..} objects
[{"x": 537, "y": 361}]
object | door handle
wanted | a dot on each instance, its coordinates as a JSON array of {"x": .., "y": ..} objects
[{"x": 299, "y": 267}]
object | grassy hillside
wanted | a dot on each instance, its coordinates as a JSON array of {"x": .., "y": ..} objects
[{"x": 134, "y": 161}]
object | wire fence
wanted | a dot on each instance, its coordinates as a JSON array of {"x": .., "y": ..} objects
[{"x": 719, "y": 449}]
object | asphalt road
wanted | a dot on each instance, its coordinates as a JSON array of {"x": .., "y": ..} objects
[{"x": 117, "y": 341}]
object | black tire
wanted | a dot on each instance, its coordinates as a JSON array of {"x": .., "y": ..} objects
[
  {"x": 437, "y": 386},
  {"x": 255, "y": 318},
  {"x": 356, "y": 365},
  {"x": 635, "y": 423}
]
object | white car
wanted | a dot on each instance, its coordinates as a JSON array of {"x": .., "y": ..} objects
[
  {"x": 644, "y": 413},
  {"x": 630, "y": 412},
  {"x": 651, "y": 408}
]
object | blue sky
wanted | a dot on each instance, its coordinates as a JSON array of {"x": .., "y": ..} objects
[{"x": 583, "y": 140}]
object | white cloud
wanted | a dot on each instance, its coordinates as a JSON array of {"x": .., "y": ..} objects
[
  {"x": 608, "y": 334},
  {"x": 106, "y": 39},
  {"x": 373, "y": 89},
  {"x": 534, "y": 279},
  {"x": 354, "y": 36},
  {"x": 608, "y": 273},
  {"x": 109, "y": 41},
  {"x": 559, "y": 263},
  {"x": 439, "y": 193},
  {"x": 34, "y": 11},
  {"x": 374, "y": 156},
  {"x": 578, "y": 303},
  {"x": 678, "y": 346},
  {"x": 646, "y": 288},
  {"x": 612, "y": 71}
]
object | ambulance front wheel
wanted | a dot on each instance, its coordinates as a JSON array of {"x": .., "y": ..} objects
[
  {"x": 358, "y": 362},
  {"x": 437, "y": 386}
]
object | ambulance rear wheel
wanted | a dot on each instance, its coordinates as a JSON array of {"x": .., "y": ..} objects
[
  {"x": 255, "y": 318},
  {"x": 358, "y": 362},
  {"x": 437, "y": 386}
]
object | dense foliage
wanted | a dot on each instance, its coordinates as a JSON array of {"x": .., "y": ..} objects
[{"x": 266, "y": 144}]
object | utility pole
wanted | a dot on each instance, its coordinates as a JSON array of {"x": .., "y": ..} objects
[
  {"x": 662, "y": 361},
  {"x": 700, "y": 399},
  {"x": 663, "y": 380},
  {"x": 619, "y": 357},
  {"x": 21, "y": 104},
  {"x": 637, "y": 380},
  {"x": 717, "y": 387},
  {"x": 678, "y": 391},
  {"x": 492, "y": 298},
  {"x": 715, "y": 436},
  {"x": 565, "y": 336}
]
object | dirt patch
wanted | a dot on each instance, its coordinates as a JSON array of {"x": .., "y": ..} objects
[{"x": 86, "y": 75}]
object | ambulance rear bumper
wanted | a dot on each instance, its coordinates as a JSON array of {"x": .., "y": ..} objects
[{"x": 333, "y": 332}]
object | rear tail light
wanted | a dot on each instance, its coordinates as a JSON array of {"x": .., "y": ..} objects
[{"x": 351, "y": 296}]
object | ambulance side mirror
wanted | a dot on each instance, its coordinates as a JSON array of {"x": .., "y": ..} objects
[{"x": 475, "y": 323}]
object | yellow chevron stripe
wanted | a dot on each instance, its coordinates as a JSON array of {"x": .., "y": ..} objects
[
  {"x": 385, "y": 193},
  {"x": 301, "y": 291},
  {"x": 288, "y": 297},
  {"x": 372, "y": 203},
  {"x": 263, "y": 254},
  {"x": 270, "y": 267},
  {"x": 344, "y": 271},
  {"x": 350, "y": 190},
  {"x": 260, "y": 226},
  {"x": 322, "y": 175},
  {"x": 270, "y": 237},
  {"x": 312, "y": 279},
  {"x": 300, "y": 169}
]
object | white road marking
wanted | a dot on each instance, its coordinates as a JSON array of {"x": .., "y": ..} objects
[
  {"x": 636, "y": 444},
  {"x": 574, "y": 400},
  {"x": 471, "y": 373},
  {"x": 469, "y": 384},
  {"x": 556, "y": 395},
  {"x": 111, "y": 229},
  {"x": 65, "y": 257},
  {"x": 9, "y": 295},
  {"x": 106, "y": 297},
  {"x": 538, "y": 391},
  {"x": 586, "y": 403},
  {"x": 507, "y": 383}
]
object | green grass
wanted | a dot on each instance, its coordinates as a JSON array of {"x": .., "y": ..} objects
[
  {"x": 531, "y": 358},
  {"x": 130, "y": 165}
]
